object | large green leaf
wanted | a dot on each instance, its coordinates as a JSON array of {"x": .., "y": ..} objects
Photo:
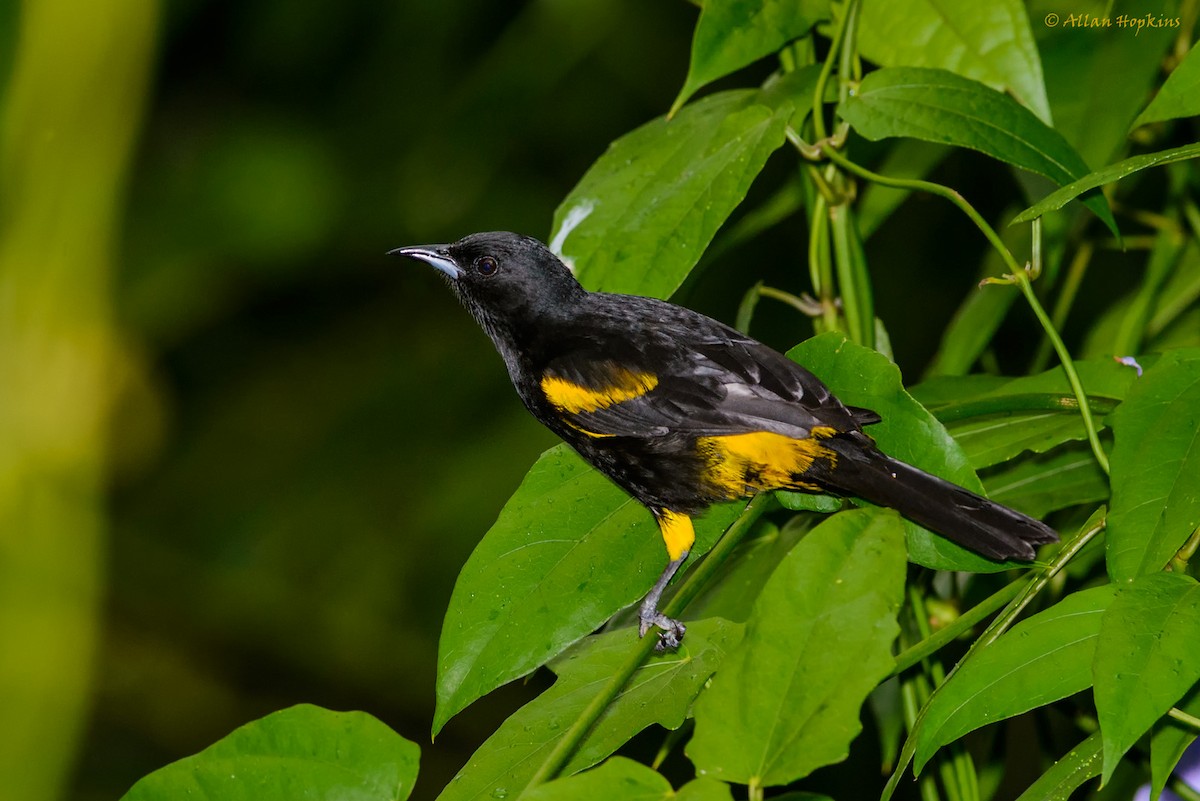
[
  {"x": 939, "y": 106},
  {"x": 568, "y": 551},
  {"x": 863, "y": 377},
  {"x": 1040, "y": 484},
  {"x": 1097, "y": 81},
  {"x": 1042, "y": 659},
  {"x": 660, "y": 691},
  {"x": 624, "y": 779},
  {"x": 787, "y": 701},
  {"x": 1014, "y": 427},
  {"x": 1179, "y": 95},
  {"x": 1147, "y": 657},
  {"x": 1155, "y": 466},
  {"x": 640, "y": 218},
  {"x": 1061, "y": 197},
  {"x": 1064, "y": 777},
  {"x": 988, "y": 41},
  {"x": 301, "y": 752},
  {"x": 734, "y": 33}
]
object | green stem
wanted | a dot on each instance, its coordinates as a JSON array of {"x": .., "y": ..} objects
[
  {"x": 847, "y": 51},
  {"x": 1068, "y": 552},
  {"x": 695, "y": 581},
  {"x": 1026, "y": 402},
  {"x": 962, "y": 624},
  {"x": 1179, "y": 562},
  {"x": 820, "y": 264},
  {"x": 1017, "y": 276},
  {"x": 818, "y": 101},
  {"x": 1064, "y": 356},
  {"x": 1066, "y": 298},
  {"x": 1183, "y": 789},
  {"x": 1183, "y": 717}
]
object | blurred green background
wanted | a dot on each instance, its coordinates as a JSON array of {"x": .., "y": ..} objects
[{"x": 242, "y": 454}]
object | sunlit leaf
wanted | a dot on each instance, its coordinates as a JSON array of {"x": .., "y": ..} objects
[
  {"x": 1155, "y": 466},
  {"x": 989, "y": 41},
  {"x": 1061, "y": 197},
  {"x": 568, "y": 551},
  {"x": 939, "y": 106},
  {"x": 1147, "y": 657},
  {"x": 1042, "y": 659},
  {"x": 640, "y": 218},
  {"x": 787, "y": 701},
  {"x": 660, "y": 692},
  {"x": 301, "y": 752},
  {"x": 1179, "y": 95},
  {"x": 734, "y": 33}
]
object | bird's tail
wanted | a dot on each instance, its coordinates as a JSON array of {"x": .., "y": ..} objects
[{"x": 983, "y": 526}]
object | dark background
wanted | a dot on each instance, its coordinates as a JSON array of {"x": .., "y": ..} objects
[{"x": 314, "y": 436}]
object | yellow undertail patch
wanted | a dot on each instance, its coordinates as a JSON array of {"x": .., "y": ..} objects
[
  {"x": 743, "y": 464},
  {"x": 677, "y": 532},
  {"x": 572, "y": 398}
]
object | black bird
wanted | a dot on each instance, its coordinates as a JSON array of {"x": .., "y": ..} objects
[{"x": 682, "y": 411}]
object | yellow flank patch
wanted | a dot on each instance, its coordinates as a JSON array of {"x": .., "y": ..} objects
[
  {"x": 573, "y": 398},
  {"x": 677, "y": 533},
  {"x": 743, "y": 464}
]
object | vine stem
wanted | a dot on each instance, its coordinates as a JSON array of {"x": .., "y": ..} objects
[
  {"x": 1184, "y": 718},
  {"x": 695, "y": 581},
  {"x": 1017, "y": 276}
]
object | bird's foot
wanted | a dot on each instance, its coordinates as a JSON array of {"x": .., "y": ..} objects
[{"x": 671, "y": 636}]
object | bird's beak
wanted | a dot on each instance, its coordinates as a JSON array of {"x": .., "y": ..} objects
[{"x": 437, "y": 256}]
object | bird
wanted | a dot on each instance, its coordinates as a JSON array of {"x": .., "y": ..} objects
[{"x": 682, "y": 411}]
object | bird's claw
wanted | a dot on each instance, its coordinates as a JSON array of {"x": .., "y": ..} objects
[{"x": 671, "y": 636}]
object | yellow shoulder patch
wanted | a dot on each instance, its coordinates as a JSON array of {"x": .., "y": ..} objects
[
  {"x": 743, "y": 464},
  {"x": 621, "y": 385}
]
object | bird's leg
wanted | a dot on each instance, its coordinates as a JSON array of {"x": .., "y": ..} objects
[
  {"x": 648, "y": 615},
  {"x": 678, "y": 536}
]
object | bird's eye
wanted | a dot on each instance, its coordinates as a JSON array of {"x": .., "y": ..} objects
[{"x": 486, "y": 266}]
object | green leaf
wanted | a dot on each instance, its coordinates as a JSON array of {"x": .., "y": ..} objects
[
  {"x": 660, "y": 692},
  {"x": 1042, "y": 659},
  {"x": 621, "y": 778},
  {"x": 748, "y": 569},
  {"x": 1169, "y": 741},
  {"x": 989, "y": 41},
  {"x": 939, "y": 106},
  {"x": 568, "y": 551},
  {"x": 787, "y": 701},
  {"x": 1060, "y": 197},
  {"x": 300, "y": 752},
  {"x": 734, "y": 33},
  {"x": 1098, "y": 78},
  {"x": 1147, "y": 657},
  {"x": 1066, "y": 775},
  {"x": 863, "y": 377},
  {"x": 640, "y": 218},
  {"x": 1179, "y": 95},
  {"x": 1041, "y": 484},
  {"x": 1155, "y": 467},
  {"x": 1013, "y": 428}
]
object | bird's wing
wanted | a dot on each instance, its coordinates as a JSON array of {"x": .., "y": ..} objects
[{"x": 701, "y": 383}]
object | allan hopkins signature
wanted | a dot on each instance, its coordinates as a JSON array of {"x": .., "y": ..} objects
[{"x": 1136, "y": 24}]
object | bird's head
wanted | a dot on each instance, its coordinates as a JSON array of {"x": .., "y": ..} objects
[{"x": 507, "y": 281}]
